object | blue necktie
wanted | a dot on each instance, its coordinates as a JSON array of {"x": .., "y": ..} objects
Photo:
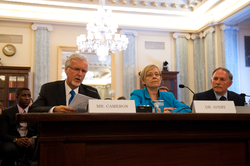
[
  {"x": 72, "y": 96},
  {"x": 223, "y": 98}
]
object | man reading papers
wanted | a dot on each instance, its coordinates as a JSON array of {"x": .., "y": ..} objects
[
  {"x": 221, "y": 80},
  {"x": 56, "y": 96}
]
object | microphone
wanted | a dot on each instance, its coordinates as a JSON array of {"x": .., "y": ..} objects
[
  {"x": 244, "y": 95},
  {"x": 183, "y": 86}
]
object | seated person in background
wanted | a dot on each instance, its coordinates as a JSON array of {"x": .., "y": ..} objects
[
  {"x": 31, "y": 101},
  {"x": 121, "y": 98},
  {"x": 56, "y": 96},
  {"x": 164, "y": 89},
  {"x": 16, "y": 137},
  {"x": 1, "y": 108},
  {"x": 221, "y": 80},
  {"x": 151, "y": 78}
]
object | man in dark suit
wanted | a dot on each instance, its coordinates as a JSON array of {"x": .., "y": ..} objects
[
  {"x": 16, "y": 137},
  {"x": 56, "y": 96},
  {"x": 221, "y": 80}
]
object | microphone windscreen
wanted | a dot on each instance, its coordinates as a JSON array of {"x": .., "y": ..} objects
[
  {"x": 181, "y": 86},
  {"x": 243, "y": 94}
]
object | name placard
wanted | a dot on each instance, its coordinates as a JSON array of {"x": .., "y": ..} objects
[
  {"x": 200, "y": 106},
  {"x": 112, "y": 106}
]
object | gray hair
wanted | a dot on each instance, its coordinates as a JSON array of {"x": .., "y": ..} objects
[
  {"x": 76, "y": 57},
  {"x": 230, "y": 76}
]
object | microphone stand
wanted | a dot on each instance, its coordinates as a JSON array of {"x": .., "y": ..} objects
[{"x": 183, "y": 86}]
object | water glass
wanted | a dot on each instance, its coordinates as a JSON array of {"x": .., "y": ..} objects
[{"x": 159, "y": 106}]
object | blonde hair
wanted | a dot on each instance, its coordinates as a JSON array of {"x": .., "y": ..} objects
[{"x": 146, "y": 69}]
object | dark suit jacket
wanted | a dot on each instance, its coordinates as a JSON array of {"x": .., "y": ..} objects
[
  {"x": 209, "y": 95},
  {"x": 8, "y": 125},
  {"x": 53, "y": 94}
]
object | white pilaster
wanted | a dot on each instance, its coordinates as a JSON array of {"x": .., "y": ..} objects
[
  {"x": 177, "y": 35},
  {"x": 224, "y": 27},
  {"x": 124, "y": 31},
  {"x": 208, "y": 30},
  {"x": 35, "y": 26}
]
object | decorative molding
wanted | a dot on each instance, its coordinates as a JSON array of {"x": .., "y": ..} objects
[
  {"x": 164, "y": 4},
  {"x": 191, "y": 7},
  {"x": 224, "y": 27},
  {"x": 196, "y": 3},
  {"x": 134, "y": 2},
  {"x": 208, "y": 30},
  {"x": 35, "y": 26},
  {"x": 213, "y": 23},
  {"x": 144, "y": 3},
  {"x": 124, "y": 31},
  {"x": 177, "y": 35},
  {"x": 124, "y": 1},
  {"x": 154, "y": 4},
  {"x": 183, "y": 6},
  {"x": 196, "y": 35},
  {"x": 173, "y": 5}
]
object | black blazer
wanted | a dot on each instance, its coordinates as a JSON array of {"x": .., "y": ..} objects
[
  {"x": 8, "y": 125},
  {"x": 209, "y": 95},
  {"x": 53, "y": 94}
]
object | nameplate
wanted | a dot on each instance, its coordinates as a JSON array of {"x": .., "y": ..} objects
[
  {"x": 213, "y": 106},
  {"x": 242, "y": 109},
  {"x": 112, "y": 106}
]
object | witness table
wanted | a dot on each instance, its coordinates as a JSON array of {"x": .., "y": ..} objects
[{"x": 142, "y": 139}]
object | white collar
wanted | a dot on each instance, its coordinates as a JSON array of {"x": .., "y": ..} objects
[
  {"x": 68, "y": 89},
  {"x": 219, "y": 96}
]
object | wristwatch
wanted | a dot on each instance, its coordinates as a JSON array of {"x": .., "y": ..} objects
[{"x": 15, "y": 140}]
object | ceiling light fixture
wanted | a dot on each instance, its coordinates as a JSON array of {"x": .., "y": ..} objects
[{"x": 100, "y": 35}]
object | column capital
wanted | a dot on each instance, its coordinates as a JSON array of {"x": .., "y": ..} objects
[
  {"x": 224, "y": 27},
  {"x": 125, "y": 31},
  {"x": 35, "y": 26},
  {"x": 196, "y": 35},
  {"x": 177, "y": 35},
  {"x": 208, "y": 30}
]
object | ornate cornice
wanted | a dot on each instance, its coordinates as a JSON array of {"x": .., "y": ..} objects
[
  {"x": 196, "y": 35},
  {"x": 35, "y": 26},
  {"x": 224, "y": 27},
  {"x": 208, "y": 30},
  {"x": 124, "y": 31},
  {"x": 177, "y": 35}
]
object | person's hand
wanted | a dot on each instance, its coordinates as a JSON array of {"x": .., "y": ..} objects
[
  {"x": 62, "y": 108},
  {"x": 23, "y": 142},
  {"x": 168, "y": 109}
]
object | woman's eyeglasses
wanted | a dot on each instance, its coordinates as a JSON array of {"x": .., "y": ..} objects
[{"x": 152, "y": 74}]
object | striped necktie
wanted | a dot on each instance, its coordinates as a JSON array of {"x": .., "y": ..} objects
[
  {"x": 72, "y": 96},
  {"x": 223, "y": 98}
]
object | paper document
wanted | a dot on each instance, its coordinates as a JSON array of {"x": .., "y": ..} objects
[{"x": 80, "y": 103}]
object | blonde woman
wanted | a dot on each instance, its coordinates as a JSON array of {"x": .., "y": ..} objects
[{"x": 151, "y": 78}]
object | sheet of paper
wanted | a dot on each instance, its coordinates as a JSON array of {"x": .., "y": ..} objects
[{"x": 80, "y": 103}]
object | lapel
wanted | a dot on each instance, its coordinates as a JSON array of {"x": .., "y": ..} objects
[
  {"x": 82, "y": 90},
  {"x": 61, "y": 92},
  {"x": 147, "y": 95},
  {"x": 14, "y": 112},
  {"x": 229, "y": 96},
  {"x": 211, "y": 94}
]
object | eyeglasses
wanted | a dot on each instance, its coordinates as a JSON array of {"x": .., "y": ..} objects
[
  {"x": 77, "y": 69},
  {"x": 152, "y": 74}
]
